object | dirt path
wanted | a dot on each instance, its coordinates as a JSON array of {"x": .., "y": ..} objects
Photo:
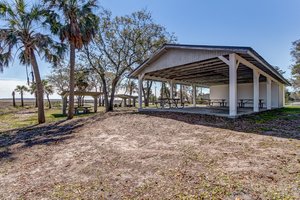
[{"x": 136, "y": 156}]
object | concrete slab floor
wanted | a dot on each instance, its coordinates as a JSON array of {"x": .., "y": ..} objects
[{"x": 203, "y": 110}]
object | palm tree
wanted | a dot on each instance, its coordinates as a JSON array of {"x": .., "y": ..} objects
[
  {"x": 33, "y": 90},
  {"x": 21, "y": 89},
  {"x": 19, "y": 32},
  {"x": 14, "y": 99},
  {"x": 78, "y": 27},
  {"x": 49, "y": 90}
]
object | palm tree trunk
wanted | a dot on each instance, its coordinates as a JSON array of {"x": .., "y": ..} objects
[
  {"x": 49, "y": 102},
  {"x": 35, "y": 95},
  {"x": 14, "y": 99},
  {"x": 39, "y": 88},
  {"x": 72, "y": 81},
  {"x": 22, "y": 101}
]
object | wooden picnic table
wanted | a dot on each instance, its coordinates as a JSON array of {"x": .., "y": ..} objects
[
  {"x": 250, "y": 101},
  {"x": 169, "y": 101},
  {"x": 221, "y": 102},
  {"x": 85, "y": 109}
]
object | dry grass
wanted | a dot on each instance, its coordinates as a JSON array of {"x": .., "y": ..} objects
[
  {"x": 124, "y": 155},
  {"x": 21, "y": 117}
]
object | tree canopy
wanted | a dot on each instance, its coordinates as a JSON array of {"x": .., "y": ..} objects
[
  {"x": 120, "y": 45},
  {"x": 296, "y": 66},
  {"x": 21, "y": 35}
]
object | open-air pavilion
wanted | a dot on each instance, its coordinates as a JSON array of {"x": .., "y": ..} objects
[
  {"x": 239, "y": 79},
  {"x": 128, "y": 100},
  {"x": 65, "y": 94}
]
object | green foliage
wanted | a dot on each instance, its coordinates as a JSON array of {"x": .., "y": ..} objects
[
  {"x": 121, "y": 44},
  {"x": 59, "y": 77},
  {"x": 73, "y": 20},
  {"x": 85, "y": 80},
  {"x": 21, "y": 30},
  {"x": 296, "y": 66},
  {"x": 21, "y": 89},
  {"x": 286, "y": 113}
]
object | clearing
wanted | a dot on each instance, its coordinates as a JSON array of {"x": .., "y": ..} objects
[{"x": 126, "y": 155}]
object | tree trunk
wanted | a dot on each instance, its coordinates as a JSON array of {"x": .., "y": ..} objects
[
  {"x": 145, "y": 99},
  {"x": 112, "y": 95},
  {"x": 146, "y": 93},
  {"x": 105, "y": 94},
  {"x": 72, "y": 81},
  {"x": 35, "y": 95},
  {"x": 39, "y": 88},
  {"x": 49, "y": 102},
  {"x": 14, "y": 99},
  {"x": 100, "y": 96},
  {"x": 130, "y": 93},
  {"x": 22, "y": 101},
  {"x": 78, "y": 101}
]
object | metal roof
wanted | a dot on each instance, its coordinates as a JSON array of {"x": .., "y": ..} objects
[{"x": 247, "y": 53}]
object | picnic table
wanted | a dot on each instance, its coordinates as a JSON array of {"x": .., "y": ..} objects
[
  {"x": 168, "y": 101},
  {"x": 243, "y": 102},
  {"x": 221, "y": 102},
  {"x": 84, "y": 109}
]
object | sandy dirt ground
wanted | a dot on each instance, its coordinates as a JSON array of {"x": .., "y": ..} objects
[{"x": 125, "y": 155}]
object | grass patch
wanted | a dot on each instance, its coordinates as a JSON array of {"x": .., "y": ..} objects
[
  {"x": 23, "y": 117},
  {"x": 286, "y": 113},
  {"x": 265, "y": 129}
]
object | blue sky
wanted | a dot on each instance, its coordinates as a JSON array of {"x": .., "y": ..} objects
[{"x": 268, "y": 26}]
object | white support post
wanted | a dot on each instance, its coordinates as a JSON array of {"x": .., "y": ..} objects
[
  {"x": 162, "y": 90},
  {"x": 232, "y": 85},
  {"x": 181, "y": 95},
  {"x": 194, "y": 95},
  {"x": 140, "y": 86},
  {"x": 283, "y": 94},
  {"x": 255, "y": 90},
  {"x": 269, "y": 93},
  {"x": 171, "y": 89}
]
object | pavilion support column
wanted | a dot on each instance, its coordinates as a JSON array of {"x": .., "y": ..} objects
[
  {"x": 171, "y": 89},
  {"x": 162, "y": 90},
  {"x": 95, "y": 104},
  {"x": 255, "y": 90},
  {"x": 181, "y": 94},
  {"x": 232, "y": 85},
  {"x": 269, "y": 93},
  {"x": 64, "y": 105},
  {"x": 194, "y": 94},
  {"x": 140, "y": 87}
]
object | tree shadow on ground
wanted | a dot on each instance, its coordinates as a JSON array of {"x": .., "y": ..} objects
[
  {"x": 46, "y": 134},
  {"x": 284, "y": 122}
]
